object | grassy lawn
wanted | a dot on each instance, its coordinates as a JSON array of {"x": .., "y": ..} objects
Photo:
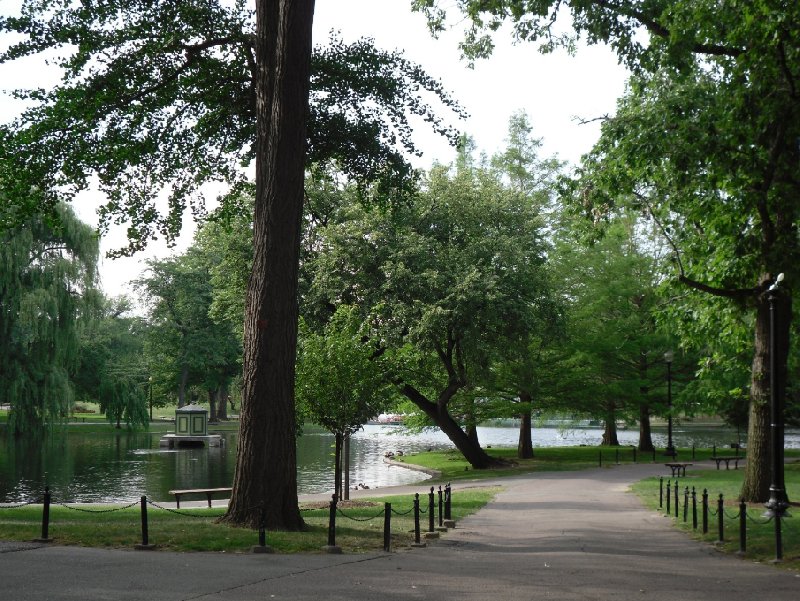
[
  {"x": 760, "y": 540},
  {"x": 454, "y": 467},
  {"x": 359, "y": 526}
]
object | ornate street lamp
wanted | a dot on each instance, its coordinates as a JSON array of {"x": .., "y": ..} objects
[
  {"x": 668, "y": 357},
  {"x": 777, "y": 505}
]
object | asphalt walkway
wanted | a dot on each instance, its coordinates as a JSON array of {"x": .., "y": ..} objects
[{"x": 563, "y": 536}]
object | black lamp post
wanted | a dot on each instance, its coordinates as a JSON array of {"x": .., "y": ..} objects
[
  {"x": 150, "y": 393},
  {"x": 668, "y": 357},
  {"x": 777, "y": 505}
]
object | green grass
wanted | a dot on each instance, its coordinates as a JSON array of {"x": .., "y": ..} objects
[
  {"x": 196, "y": 529},
  {"x": 760, "y": 541}
]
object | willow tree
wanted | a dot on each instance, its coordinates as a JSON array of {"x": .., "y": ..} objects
[{"x": 47, "y": 277}]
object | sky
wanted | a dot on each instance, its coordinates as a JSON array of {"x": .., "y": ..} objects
[{"x": 555, "y": 90}]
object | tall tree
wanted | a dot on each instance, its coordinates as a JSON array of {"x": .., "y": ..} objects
[
  {"x": 113, "y": 368},
  {"x": 47, "y": 278},
  {"x": 165, "y": 96},
  {"x": 443, "y": 284},
  {"x": 706, "y": 141}
]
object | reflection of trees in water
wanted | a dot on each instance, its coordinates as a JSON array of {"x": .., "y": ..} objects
[{"x": 122, "y": 466}]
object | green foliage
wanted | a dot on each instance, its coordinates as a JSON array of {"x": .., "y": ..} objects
[
  {"x": 158, "y": 98},
  {"x": 47, "y": 276},
  {"x": 340, "y": 383},
  {"x": 113, "y": 368}
]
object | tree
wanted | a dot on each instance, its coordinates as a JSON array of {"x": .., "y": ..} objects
[
  {"x": 442, "y": 285},
  {"x": 340, "y": 383},
  {"x": 706, "y": 141},
  {"x": 47, "y": 277},
  {"x": 165, "y": 96},
  {"x": 113, "y": 367}
]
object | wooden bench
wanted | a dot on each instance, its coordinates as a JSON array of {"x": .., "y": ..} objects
[
  {"x": 197, "y": 491},
  {"x": 727, "y": 461},
  {"x": 678, "y": 468}
]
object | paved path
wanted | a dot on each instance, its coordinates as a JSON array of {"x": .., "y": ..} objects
[{"x": 564, "y": 536}]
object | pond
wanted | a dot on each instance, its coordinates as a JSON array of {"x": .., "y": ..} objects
[{"x": 122, "y": 466}]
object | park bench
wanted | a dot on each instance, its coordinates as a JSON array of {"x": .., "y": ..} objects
[
  {"x": 678, "y": 468},
  {"x": 728, "y": 460},
  {"x": 197, "y": 491}
]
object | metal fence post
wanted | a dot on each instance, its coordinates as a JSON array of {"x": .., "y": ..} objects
[
  {"x": 145, "y": 546},
  {"x": 721, "y": 516},
  {"x": 686, "y": 504},
  {"x": 387, "y": 527},
  {"x": 705, "y": 511},
  {"x": 669, "y": 496},
  {"x": 332, "y": 522},
  {"x": 46, "y": 515},
  {"x": 448, "y": 505},
  {"x": 431, "y": 511},
  {"x": 416, "y": 518},
  {"x": 677, "y": 502},
  {"x": 441, "y": 507},
  {"x": 694, "y": 508},
  {"x": 660, "y": 492},
  {"x": 742, "y": 527}
]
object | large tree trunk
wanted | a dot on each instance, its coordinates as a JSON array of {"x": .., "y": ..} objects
[
  {"x": 266, "y": 462},
  {"x": 182, "y": 386},
  {"x": 645, "y": 433},
  {"x": 610, "y": 432},
  {"x": 437, "y": 412},
  {"x": 525, "y": 444},
  {"x": 755, "y": 487},
  {"x": 222, "y": 403},
  {"x": 212, "y": 406}
]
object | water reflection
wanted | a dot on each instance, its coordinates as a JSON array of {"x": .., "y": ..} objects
[{"x": 122, "y": 466}]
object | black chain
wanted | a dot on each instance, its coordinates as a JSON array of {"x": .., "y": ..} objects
[
  {"x": 344, "y": 515},
  {"x": 177, "y": 512},
  {"x": 394, "y": 511},
  {"x": 84, "y": 510}
]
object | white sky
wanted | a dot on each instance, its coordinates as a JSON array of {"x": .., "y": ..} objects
[{"x": 553, "y": 89}]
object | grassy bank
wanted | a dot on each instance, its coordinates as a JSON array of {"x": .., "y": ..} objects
[{"x": 359, "y": 527}]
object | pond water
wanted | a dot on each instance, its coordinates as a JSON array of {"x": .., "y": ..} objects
[{"x": 122, "y": 466}]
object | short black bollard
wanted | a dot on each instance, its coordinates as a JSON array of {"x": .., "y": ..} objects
[
  {"x": 600, "y": 459},
  {"x": 742, "y": 527},
  {"x": 714, "y": 450},
  {"x": 677, "y": 503},
  {"x": 45, "y": 517},
  {"x": 441, "y": 508},
  {"x": 387, "y": 527},
  {"x": 694, "y": 508},
  {"x": 669, "y": 496},
  {"x": 686, "y": 505},
  {"x": 145, "y": 532},
  {"x": 262, "y": 533},
  {"x": 262, "y": 528},
  {"x": 145, "y": 546},
  {"x": 654, "y": 455},
  {"x": 693, "y": 451},
  {"x": 331, "y": 546},
  {"x": 634, "y": 454},
  {"x": 416, "y": 519},
  {"x": 448, "y": 502},
  {"x": 616, "y": 456},
  {"x": 721, "y": 516},
  {"x": 431, "y": 511},
  {"x": 660, "y": 492},
  {"x": 705, "y": 511}
]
